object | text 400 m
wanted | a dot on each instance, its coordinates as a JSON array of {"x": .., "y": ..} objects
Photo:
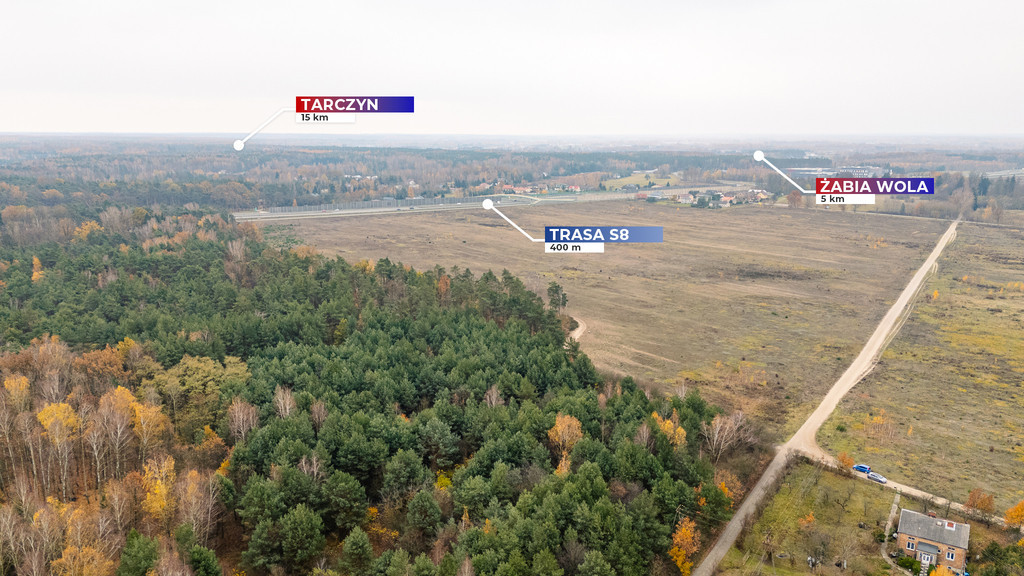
[{"x": 565, "y": 247}]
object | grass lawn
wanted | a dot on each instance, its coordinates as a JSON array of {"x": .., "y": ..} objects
[
  {"x": 815, "y": 513},
  {"x": 641, "y": 180},
  {"x": 826, "y": 515}
]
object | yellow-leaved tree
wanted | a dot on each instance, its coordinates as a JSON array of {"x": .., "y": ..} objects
[
  {"x": 61, "y": 425},
  {"x": 81, "y": 234},
  {"x": 84, "y": 561},
  {"x": 150, "y": 425},
  {"x": 17, "y": 390},
  {"x": 1015, "y": 515},
  {"x": 685, "y": 543},
  {"x": 566, "y": 432},
  {"x": 159, "y": 480},
  {"x": 37, "y": 269},
  {"x": 670, "y": 426}
]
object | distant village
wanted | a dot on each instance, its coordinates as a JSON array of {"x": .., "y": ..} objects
[{"x": 706, "y": 198}]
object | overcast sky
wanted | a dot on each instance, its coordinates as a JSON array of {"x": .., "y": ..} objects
[{"x": 679, "y": 68}]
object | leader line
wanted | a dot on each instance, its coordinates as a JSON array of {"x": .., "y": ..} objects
[
  {"x": 239, "y": 144},
  {"x": 759, "y": 157},
  {"x": 489, "y": 205}
]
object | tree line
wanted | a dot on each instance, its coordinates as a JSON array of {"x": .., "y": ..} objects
[{"x": 173, "y": 386}]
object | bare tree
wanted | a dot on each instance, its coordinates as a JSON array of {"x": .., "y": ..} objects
[
  {"x": 52, "y": 388},
  {"x": 7, "y": 436},
  {"x": 492, "y": 397},
  {"x": 115, "y": 413},
  {"x": 119, "y": 504},
  {"x": 242, "y": 418},
  {"x": 171, "y": 564},
  {"x": 466, "y": 569},
  {"x": 964, "y": 199},
  {"x": 95, "y": 439},
  {"x": 9, "y": 527},
  {"x": 643, "y": 436},
  {"x": 284, "y": 402},
  {"x": 318, "y": 413},
  {"x": 725, "y": 433},
  {"x": 197, "y": 503},
  {"x": 312, "y": 466}
]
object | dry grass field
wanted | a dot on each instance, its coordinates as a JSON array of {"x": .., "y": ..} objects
[
  {"x": 952, "y": 382},
  {"x": 761, "y": 308}
]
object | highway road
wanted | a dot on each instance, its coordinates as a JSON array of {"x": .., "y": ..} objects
[{"x": 397, "y": 207}]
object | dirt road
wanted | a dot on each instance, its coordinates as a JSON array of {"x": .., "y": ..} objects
[
  {"x": 804, "y": 440},
  {"x": 581, "y": 327}
]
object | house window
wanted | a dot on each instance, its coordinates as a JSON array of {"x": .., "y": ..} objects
[
  {"x": 950, "y": 555},
  {"x": 910, "y": 545}
]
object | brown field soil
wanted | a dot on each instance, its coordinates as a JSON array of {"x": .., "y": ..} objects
[
  {"x": 761, "y": 308},
  {"x": 952, "y": 382}
]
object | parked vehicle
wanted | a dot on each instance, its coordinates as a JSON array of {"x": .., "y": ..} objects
[
  {"x": 877, "y": 477},
  {"x": 862, "y": 468}
]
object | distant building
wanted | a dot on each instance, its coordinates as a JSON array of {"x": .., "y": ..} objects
[
  {"x": 853, "y": 171},
  {"x": 933, "y": 540},
  {"x": 862, "y": 171},
  {"x": 812, "y": 172}
]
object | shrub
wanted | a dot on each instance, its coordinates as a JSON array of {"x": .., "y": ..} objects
[{"x": 909, "y": 563}]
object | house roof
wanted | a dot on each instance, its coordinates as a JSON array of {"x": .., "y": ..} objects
[
  {"x": 928, "y": 548},
  {"x": 935, "y": 529}
]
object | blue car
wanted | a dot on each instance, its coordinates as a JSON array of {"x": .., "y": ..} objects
[{"x": 862, "y": 468}]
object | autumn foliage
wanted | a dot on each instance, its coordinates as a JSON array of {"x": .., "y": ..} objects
[
  {"x": 670, "y": 427},
  {"x": 845, "y": 462},
  {"x": 685, "y": 543},
  {"x": 980, "y": 503},
  {"x": 564, "y": 435},
  {"x": 1015, "y": 515}
]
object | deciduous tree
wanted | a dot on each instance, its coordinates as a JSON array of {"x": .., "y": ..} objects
[
  {"x": 159, "y": 502},
  {"x": 150, "y": 425},
  {"x": 116, "y": 411},
  {"x": 980, "y": 502},
  {"x": 61, "y": 425},
  {"x": 198, "y": 503},
  {"x": 564, "y": 435},
  {"x": 685, "y": 543},
  {"x": 845, "y": 462},
  {"x": 1015, "y": 515},
  {"x": 242, "y": 418},
  {"x": 725, "y": 433}
]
